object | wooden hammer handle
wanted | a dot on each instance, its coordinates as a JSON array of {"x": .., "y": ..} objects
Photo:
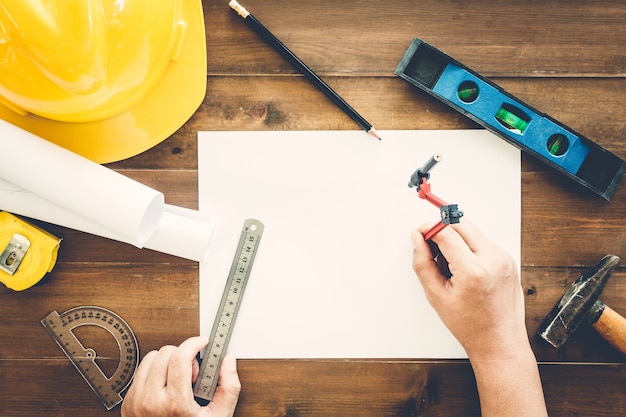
[{"x": 612, "y": 327}]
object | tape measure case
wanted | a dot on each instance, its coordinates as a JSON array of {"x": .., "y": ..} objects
[{"x": 27, "y": 253}]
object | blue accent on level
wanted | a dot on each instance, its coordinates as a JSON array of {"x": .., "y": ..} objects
[{"x": 486, "y": 105}]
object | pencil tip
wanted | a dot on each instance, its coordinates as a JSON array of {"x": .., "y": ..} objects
[{"x": 374, "y": 133}]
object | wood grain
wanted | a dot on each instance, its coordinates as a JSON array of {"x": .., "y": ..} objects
[{"x": 565, "y": 58}]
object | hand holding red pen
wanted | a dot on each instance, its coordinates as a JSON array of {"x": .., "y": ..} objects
[{"x": 482, "y": 304}]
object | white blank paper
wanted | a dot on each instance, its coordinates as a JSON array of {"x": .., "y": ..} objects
[{"x": 333, "y": 276}]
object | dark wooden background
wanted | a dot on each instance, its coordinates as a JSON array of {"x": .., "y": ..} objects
[{"x": 566, "y": 58}]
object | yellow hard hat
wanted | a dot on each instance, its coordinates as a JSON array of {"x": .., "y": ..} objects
[{"x": 107, "y": 79}]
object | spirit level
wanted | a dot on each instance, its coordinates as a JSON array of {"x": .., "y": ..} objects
[{"x": 513, "y": 120}]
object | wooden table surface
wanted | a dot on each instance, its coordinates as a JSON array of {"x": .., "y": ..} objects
[{"x": 566, "y": 58}]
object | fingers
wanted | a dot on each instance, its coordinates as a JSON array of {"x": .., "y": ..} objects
[
  {"x": 423, "y": 263},
  {"x": 450, "y": 243},
  {"x": 159, "y": 368},
  {"x": 148, "y": 382},
  {"x": 163, "y": 384},
  {"x": 143, "y": 371},
  {"x": 181, "y": 367},
  {"x": 227, "y": 392},
  {"x": 472, "y": 236},
  {"x": 140, "y": 380},
  {"x": 195, "y": 371},
  {"x": 461, "y": 244}
]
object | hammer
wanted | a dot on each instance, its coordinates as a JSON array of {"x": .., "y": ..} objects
[{"x": 581, "y": 304}]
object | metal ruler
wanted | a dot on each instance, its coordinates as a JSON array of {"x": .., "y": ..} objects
[
  {"x": 229, "y": 307},
  {"x": 108, "y": 389}
]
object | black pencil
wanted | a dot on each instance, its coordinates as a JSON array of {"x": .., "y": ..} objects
[{"x": 264, "y": 33}]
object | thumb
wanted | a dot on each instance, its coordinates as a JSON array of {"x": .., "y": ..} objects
[{"x": 228, "y": 389}]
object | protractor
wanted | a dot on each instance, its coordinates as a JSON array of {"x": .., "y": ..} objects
[{"x": 62, "y": 326}]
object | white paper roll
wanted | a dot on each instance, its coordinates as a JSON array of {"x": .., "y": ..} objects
[
  {"x": 128, "y": 209},
  {"x": 184, "y": 233},
  {"x": 180, "y": 232}
]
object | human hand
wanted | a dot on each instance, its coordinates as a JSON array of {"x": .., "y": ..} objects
[
  {"x": 482, "y": 303},
  {"x": 162, "y": 385}
]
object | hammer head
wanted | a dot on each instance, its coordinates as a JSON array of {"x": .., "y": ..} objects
[{"x": 577, "y": 302}]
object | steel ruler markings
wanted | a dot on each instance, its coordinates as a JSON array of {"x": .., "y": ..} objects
[
  {"x": 108, "y": 389},
  {"x": 229, "y": 307}
]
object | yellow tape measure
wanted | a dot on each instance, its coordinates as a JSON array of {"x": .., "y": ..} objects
[
  {"x": 27, "y": 253},
  {"x": 61, "y": 326}
]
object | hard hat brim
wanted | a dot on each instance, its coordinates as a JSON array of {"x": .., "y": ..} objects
[{"x": 175, "y": 98}]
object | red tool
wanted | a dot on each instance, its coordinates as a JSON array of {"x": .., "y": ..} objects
[{"x": 450, "y": 213}]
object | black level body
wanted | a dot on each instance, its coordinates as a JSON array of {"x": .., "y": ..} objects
[{"x": 511, "y": 119}]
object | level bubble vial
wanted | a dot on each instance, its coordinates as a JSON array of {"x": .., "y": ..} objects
[
  {"x": 512, "y": 118},
  {"x": 467, "y": 91},
  {"x": 558, "y": 144}
]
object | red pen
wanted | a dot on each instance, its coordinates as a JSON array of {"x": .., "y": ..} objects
[{"x": 450, "y": 213}]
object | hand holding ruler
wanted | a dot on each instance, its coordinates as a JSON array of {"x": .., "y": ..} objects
[{"x": 219, "y": 338}]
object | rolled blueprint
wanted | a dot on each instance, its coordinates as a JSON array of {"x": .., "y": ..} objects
[
  {"x": 184, "y": 233},
  {"x": 180, "y": 232},
  {"x": 81, "y": 190}
]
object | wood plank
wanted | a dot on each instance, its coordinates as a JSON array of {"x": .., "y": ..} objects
[
  {"x": 357, "y": 388},
  {"x": 562, "y": 224},
  {"x": 292, "y": 103},
  {"x": 565, "y": 38},
  {"x": 158, "y": 301},
  {"x": 52, "y": 387}
]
